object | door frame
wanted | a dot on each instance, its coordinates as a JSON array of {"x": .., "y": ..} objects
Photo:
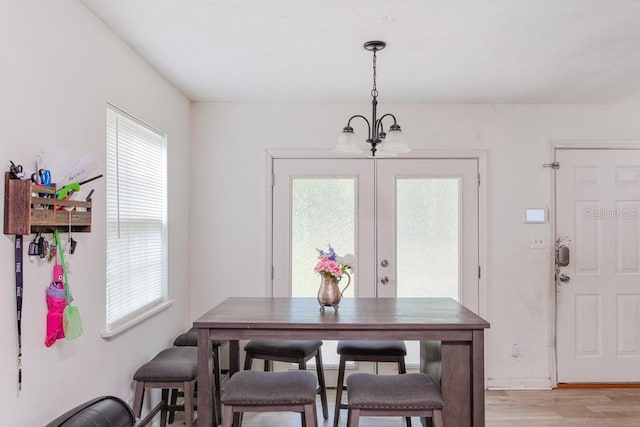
[
  {"x": 554, "y": 147},
  {"x": 479, "y": 155}
]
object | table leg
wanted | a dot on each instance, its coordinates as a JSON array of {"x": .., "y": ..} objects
[
  {"x": 205, "y": 365},
  {"x": 458, "y": 367},
  {"x": 477, "y": 372},
  {"x": 456, "y": 383}
]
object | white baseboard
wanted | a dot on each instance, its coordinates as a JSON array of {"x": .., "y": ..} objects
[{"x": 519, "y": 384}]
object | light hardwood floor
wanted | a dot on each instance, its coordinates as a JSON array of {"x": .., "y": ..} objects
[
  {"x": 564, "y": 407},
  {"x": 539, "y": 408}
]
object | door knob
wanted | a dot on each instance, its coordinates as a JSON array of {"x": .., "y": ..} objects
[
  {"x": 384, "y": 280},
  {"x": 384, "y": 263}
]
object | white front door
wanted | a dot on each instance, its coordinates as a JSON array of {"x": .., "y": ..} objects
[{"x": 598, "y": 309}]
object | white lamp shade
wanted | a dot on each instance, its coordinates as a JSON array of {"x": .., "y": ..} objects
[
  {"x": 347, "y": 143},
  {"x": 381, "y": 150},
  {"x": 395, "y": 143}
]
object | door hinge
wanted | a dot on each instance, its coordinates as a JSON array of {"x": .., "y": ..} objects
[
  {"x": 478, "y": 180},
  {"x": 273, "y": 274},
  {"x": 554, "y": 165},
  {"x": 273, "y": 180},
  {"x": 479, "y": 272}
]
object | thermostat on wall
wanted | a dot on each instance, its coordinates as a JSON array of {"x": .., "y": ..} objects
[{"x": 535, "y": 215}]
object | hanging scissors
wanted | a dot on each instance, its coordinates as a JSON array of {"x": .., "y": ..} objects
[
  {"x": 15, "y": 171},
  {"x": 45, "y": 177}
]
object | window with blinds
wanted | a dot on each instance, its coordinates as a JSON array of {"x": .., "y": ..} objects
[{"x": 136, "y": 218}]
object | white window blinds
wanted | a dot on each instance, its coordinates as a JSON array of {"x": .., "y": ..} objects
[{"x": 136, "y": 218}]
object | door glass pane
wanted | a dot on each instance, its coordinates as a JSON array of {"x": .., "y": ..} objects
[
  {"x": 428, "y": 235},
  {"x": 322, "y": 213},
  {"x": 427, "y": 242}
]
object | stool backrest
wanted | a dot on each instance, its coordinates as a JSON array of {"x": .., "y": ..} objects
[{"x": 103, "y": 411}]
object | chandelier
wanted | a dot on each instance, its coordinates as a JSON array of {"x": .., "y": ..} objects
[{"x": 383, "y": 144}]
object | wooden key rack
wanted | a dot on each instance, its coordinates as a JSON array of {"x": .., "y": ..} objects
[{"x": 31, "y": 208}]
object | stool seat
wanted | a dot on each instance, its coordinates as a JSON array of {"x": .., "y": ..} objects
[
  {"x": 171, "y": 364},
  {"x": 172, "y": 368},
  {"x": 388, "y": 395},
  {"x": 190, "y": 338},
  {"x": 367, "y": 351},
  {"x": 256, "y": 391},
  {"x": 270, "y": 388},
  {"x": 372, "y": 348},
  {"x": 291, "y": 348},
  {"x": 290, "y": 351},
  {"x": 407, "y": 391}
]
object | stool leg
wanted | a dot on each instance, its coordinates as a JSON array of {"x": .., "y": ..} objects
[
  {"x": 309, "y": 415},
  {"x": 139, "y": 397},
  {"x": 188, "y": 403},
  {"x": 237, "y": 419},
  {"x": 323, "y": 386},
  {"x": 216, "y": 381},
  {"x": 437, "y": 418},
  {"x": 248, "y": 359},
  {"x": 353, "y": 418},
  {"x": 227, "y": 415},
  {"x": 163, "y": 408},
  {"x": 402, "y": 369},
  {"x": 315, "y": 415},
  {"x": 172, "y": 401},
  {"x": 267, "y": 366},
  {"x": 336, "y": 412}
]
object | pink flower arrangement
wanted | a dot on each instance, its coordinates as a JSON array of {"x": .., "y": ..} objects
[{"x": 331, "y": 265}]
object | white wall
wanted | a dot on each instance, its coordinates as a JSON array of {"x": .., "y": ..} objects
[
  {"x": 228, "y": 172},
  {"x": 59, "y": 65}
]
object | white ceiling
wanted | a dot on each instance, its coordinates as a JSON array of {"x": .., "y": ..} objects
[{"x": 438, "y": 51}]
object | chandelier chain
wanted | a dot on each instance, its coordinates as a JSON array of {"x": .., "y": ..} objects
[{"x": 374, "y": 90}]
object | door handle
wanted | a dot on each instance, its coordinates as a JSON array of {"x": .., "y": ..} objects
[{"x": 384, "y": 280}]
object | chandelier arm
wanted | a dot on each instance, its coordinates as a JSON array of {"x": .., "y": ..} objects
[
  {"x": 390, "y": 115},
  {"x": 379, "y": 126},
  {"x": 363, "y": 118}
]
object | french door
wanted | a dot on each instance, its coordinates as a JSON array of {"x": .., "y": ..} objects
[{"x": 412, "y": 225}]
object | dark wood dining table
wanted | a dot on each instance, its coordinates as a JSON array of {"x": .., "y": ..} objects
[{"x": 451, "y": 337}]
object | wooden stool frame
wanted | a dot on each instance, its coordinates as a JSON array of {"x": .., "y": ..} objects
[
  {"x": 187, "y": 388},
  {"x": 302, "y": 365},
  {"x": 354, "y": 414},
  {"x": 344, "y": 358}
]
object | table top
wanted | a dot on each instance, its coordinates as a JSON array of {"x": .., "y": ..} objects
[{"x": 364, "y": 314}]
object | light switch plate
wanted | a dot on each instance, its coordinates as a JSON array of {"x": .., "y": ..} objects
[{"x": 537, "y": 243}]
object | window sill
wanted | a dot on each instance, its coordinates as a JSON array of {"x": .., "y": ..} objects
[{"x": 120, "y": 329}]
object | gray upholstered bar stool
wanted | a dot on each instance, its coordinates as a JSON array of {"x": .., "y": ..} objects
[
  {"x": 255, "y": 391},
  {"x": 190, "y": 339},
  {"x": 172, "y": 368},
  {"x": 388, "y": 395},
  {"x": 366, "y": 351},
  {"x": 289, "y": 351}
]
